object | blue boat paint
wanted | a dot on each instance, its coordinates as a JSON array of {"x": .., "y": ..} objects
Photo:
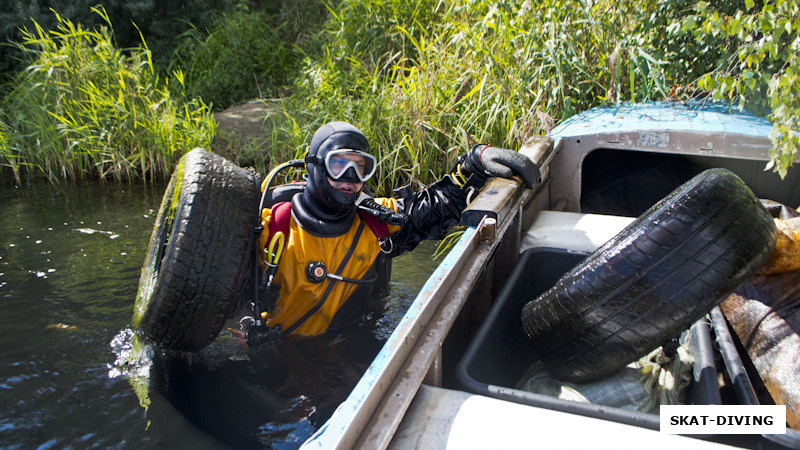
[
  {"x": 664, "y": 116},
  {"x": 331, "y": 433}
]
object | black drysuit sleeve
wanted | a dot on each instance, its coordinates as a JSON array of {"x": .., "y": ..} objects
[{"x": 431, "y": 212}]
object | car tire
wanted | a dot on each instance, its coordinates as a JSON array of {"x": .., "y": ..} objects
[
  {"x": 650, "y": 282},
  {"x": 196, "y": 259}
]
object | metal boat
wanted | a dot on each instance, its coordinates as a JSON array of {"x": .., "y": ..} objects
[{"x": 444, "y": 378}]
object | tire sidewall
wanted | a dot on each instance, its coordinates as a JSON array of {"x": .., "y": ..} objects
[{"x": 160, "y": 249}]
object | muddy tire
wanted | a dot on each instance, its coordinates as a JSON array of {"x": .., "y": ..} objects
[
  {"x": 650, "y": 282},
  {"x": 195, "y": 262}
]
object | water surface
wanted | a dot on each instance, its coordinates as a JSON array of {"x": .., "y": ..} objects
[{"x": 70, "y": 375}]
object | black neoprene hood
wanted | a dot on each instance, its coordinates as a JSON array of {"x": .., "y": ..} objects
[
  {"x": 321, "y": 208},
  {"x": 337, "y": 135}
]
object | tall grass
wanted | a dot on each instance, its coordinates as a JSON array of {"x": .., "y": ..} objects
[
  {"x": 84, "y": 109},
  {"x": 444, "y": 75}
]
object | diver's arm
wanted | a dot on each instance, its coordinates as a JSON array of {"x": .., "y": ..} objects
[
  {"x": 432, "y": 212},
  {"x": 435, "y": 209}
]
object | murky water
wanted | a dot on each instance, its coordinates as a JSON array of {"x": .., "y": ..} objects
[{"x": 71, "y": 376}]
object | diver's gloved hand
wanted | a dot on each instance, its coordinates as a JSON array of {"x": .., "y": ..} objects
[{"x": 485, "y": 161}]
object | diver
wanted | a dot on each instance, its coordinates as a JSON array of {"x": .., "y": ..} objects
[{"x": 323, "y": 253}]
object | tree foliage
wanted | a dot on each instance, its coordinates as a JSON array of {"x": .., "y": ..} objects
[
  {"x": 758, "y": 68},
  {"x": 242, "y": 58},
  {"x": 160, "y": 21},
  {"x": 246, "y": 53},
  {"x": 501, "y": 70},
  {"x": 425, "y": 77}
]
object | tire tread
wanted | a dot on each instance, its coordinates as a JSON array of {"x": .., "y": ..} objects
[
  {"x": 202, "y": 270},
  {"x": 651, "y": 281}
]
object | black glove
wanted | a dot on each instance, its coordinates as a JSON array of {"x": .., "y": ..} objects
[{"x": 484, "y": 161}]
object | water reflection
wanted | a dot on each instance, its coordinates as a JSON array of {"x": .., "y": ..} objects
[{"x": 71, "y": 374}]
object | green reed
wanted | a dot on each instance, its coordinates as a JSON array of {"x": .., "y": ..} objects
[
  {"x": 424, "y": 79},
  {"x": 440, "y": 76},
  {"x": 84, "y": 109}
]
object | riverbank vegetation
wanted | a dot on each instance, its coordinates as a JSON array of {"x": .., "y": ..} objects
[
  {"x": 422, "y": 78},
  {"x": 83, "y": 108}
]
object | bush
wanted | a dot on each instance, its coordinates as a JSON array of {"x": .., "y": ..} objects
[
  {"x": 425, "y": 79},
  {"x": 438, "y": 78},
  {"x": 161, "y": 22},
  {"x": 758, "y": 68}
]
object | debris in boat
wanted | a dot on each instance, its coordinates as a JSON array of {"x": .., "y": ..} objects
[
  {"x": 765, "y": 314},
  {"x": 643, "y": 386},
  {"x": 786, "y": 256}
]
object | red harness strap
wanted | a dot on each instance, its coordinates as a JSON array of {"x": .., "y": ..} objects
[
  {"x": 379, "y": 229},
  {"x": 281, "y": 215}
]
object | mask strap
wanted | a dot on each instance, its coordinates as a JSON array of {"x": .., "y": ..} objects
[{"x": 316, "y": 160}]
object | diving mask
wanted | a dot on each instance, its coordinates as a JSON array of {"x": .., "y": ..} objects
[{"x": 337, "y": 163}]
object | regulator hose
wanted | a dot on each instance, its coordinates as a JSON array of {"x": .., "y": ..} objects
[{"x": 295, "y": 163}]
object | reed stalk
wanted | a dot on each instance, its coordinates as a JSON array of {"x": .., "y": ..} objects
[{"x": 424, "y": 79}]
